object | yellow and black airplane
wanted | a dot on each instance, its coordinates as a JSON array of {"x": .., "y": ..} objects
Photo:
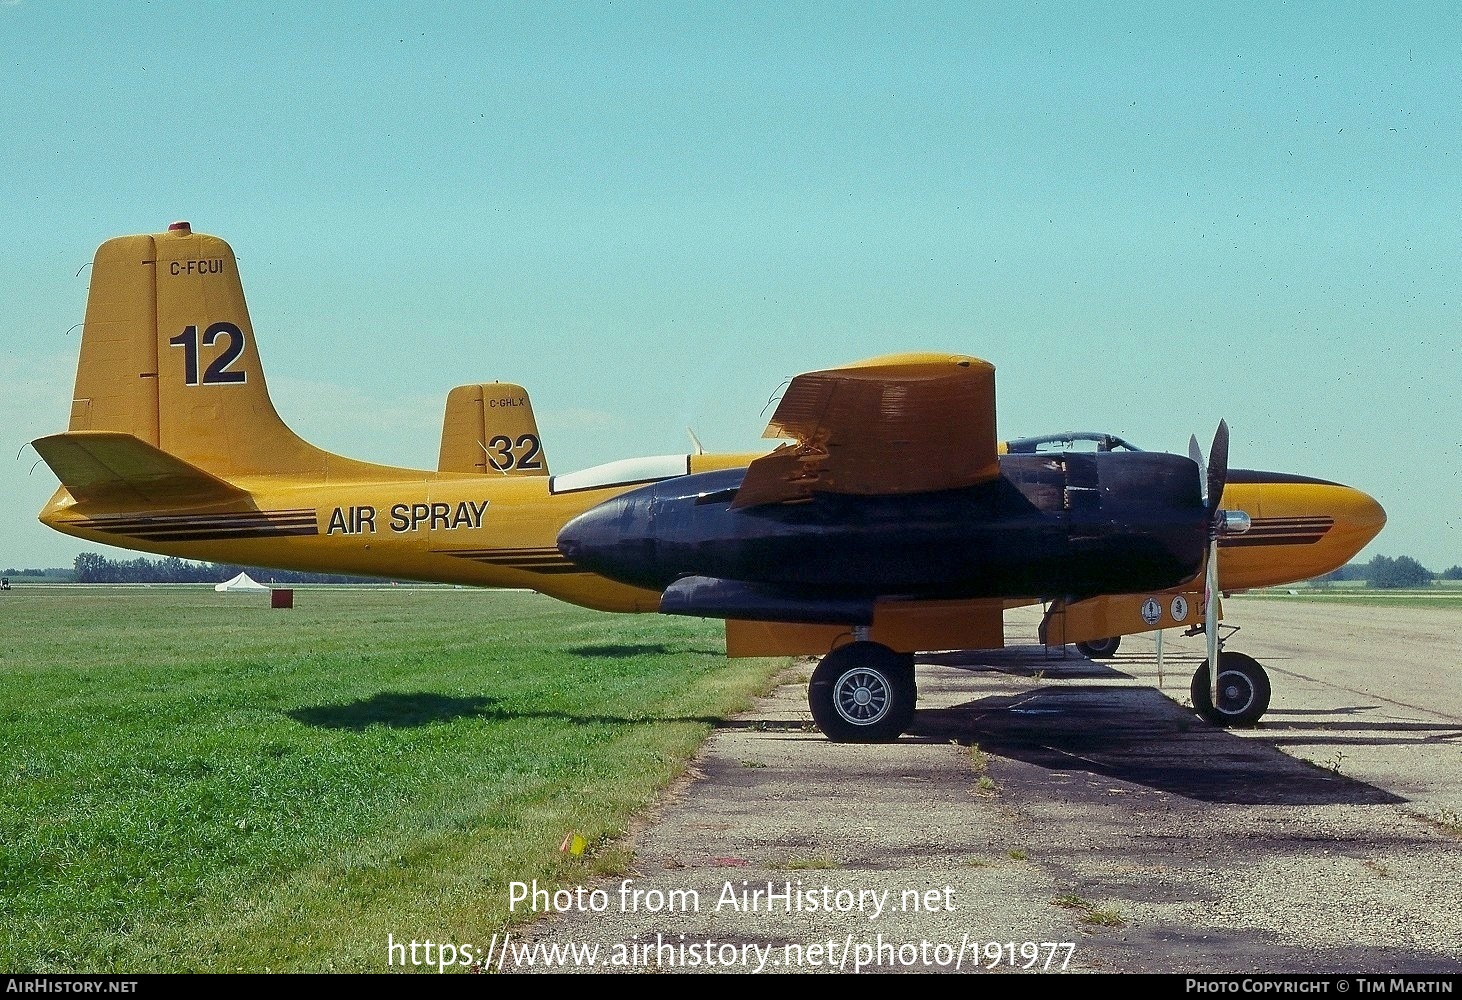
[{"x": 892, "y": 522}]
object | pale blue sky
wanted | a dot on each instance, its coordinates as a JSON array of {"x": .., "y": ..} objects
[{"x": 653, "y": 214}]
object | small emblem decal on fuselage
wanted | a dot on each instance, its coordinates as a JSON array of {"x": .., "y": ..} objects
[
  {"x": 1151, "y": 611},
  {"x": 1180, "y": 608}
]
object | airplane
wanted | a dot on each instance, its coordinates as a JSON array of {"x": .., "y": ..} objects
[{"x": 890, "y": 521}]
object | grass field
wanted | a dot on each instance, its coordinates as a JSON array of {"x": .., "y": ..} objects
[
  {"x": 1441, "y": 595},
  {"x": 192, "y": 781}
]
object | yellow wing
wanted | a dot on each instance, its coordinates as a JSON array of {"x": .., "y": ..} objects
[{"x": 903, "y": 423}]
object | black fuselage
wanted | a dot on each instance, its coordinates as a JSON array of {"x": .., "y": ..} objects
[{"x": 1062, "y": 525}]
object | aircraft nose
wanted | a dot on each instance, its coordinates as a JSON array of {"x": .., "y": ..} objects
[
  {"x": 1358, "y": 518},
  {"x": 614, "y": 540},
  {"x": 582, "y": 539}
]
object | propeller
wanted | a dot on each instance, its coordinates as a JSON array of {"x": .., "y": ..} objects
[
  {"x": 1217, "y": 466},
  {"x": 1211, "y": 485},
  {"x": 1220, "y": 522}
]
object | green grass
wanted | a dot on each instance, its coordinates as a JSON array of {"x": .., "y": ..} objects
[
  {"x": 193, "y": 781},
  {"x": 812, "y": 862},
  {"x": 1090, "y": 913},
  {"x": 1442, "y": 596},
  {"x": 1104, "y": 918}
]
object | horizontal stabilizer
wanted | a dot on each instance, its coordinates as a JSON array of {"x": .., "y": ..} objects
[{"x": 116, "y": 468}]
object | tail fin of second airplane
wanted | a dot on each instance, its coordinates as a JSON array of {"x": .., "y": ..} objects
[
  {"x": 168, "y": 356},
  {"x": 489, "y": 427}
]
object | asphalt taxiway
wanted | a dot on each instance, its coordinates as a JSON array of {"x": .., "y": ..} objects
[{"x": 1047, "y": 799}]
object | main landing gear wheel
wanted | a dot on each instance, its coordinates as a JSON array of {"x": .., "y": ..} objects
[
  {"x": 863, "y": 692},
  {"x": 1243, "y": 691},
  {"x": 1100, "y": 649}
]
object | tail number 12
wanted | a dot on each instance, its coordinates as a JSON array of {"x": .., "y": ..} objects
[{"x": 218, "y": 372}]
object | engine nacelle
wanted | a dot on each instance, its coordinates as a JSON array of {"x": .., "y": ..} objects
[{"x": 1063, "y": 525}]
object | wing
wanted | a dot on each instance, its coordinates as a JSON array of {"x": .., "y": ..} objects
[{"x": 903, "y": 423}]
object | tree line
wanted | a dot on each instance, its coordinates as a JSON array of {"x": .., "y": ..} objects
[
  {"x": 1388, "y": 573},
  {"x": 93, "y": 567}
]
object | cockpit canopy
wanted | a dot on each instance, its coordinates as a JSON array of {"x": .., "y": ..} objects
[{"x": 1067, "y": 441}]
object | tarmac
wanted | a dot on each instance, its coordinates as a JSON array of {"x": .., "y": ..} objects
[{"x": 1051, "y": 813}]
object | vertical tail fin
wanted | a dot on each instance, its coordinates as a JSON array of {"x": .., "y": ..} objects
[
  {"x": 489, "y": 427},
  {"x": 168, "y": 356}
]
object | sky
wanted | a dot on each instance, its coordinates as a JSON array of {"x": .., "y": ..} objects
[{"x": 1148, "y": 217}]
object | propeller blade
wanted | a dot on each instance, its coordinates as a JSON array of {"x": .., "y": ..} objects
[
  {"x": 1217, "y": 467},
  {"x": 1196, "y": 454},
  {"x": 1217, "y": 477},
  {"x": 1210, "y": 619}
]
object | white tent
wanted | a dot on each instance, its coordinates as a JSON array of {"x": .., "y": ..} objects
[{"x": 240, "y": 583}]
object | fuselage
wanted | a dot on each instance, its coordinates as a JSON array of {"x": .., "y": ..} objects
[
  {"x": 486, "y": 531},
  {"x": 1051, "y": 525}
]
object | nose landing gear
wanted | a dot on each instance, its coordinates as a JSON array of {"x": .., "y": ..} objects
[{"x": 1243, "y": 691}]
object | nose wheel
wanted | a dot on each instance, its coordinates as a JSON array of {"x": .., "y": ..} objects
[
  {"x": 1243, "y": 691},
  {"x": 863, "y": 692}
]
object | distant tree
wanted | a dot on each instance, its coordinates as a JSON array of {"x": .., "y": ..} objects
[
  {"x": 1348, "y": 572},
  {"x": 1452, "y": 573},
  {"x": 1403, "y": 571},
  {"x": 175, "y": 570},
  {"x": 225, "y": 571},
  {"x": 92, "y": 567}
]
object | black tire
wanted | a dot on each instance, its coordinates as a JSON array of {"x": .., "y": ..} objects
[
  {"x": 1100, "y": 649},
  {"x": 863, "y": 692},
  {"x": 1243, "y": 691}
]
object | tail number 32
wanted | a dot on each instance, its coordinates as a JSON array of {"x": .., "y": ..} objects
[
  {"x": 505, "y": 455},
  {"x": 218, "y": 373}
]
